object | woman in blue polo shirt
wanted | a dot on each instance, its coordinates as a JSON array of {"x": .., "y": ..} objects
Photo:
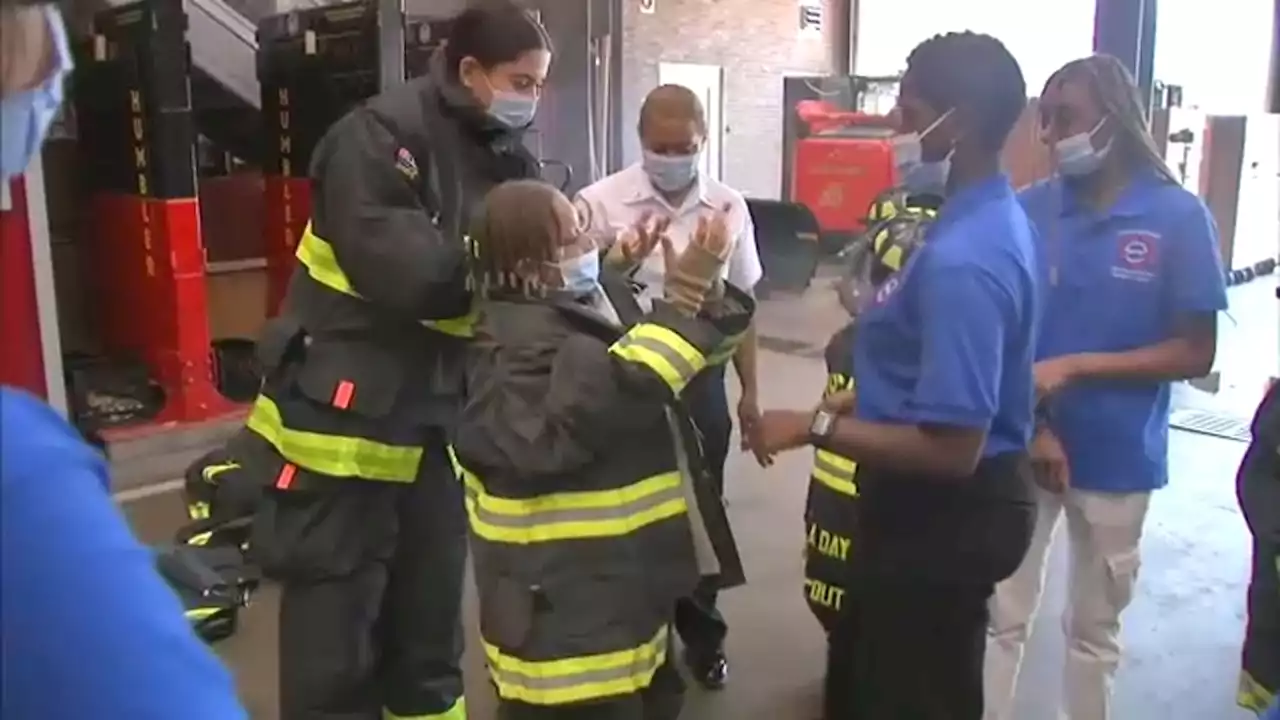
[
  {"x": 1134, "y": 281},
  {"x": 943, "y": 411}
]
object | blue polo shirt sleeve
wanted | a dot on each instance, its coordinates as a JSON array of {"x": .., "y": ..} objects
[
  {"x": 962, "y": 307},
  {"x": 1195, "y": 278},
  {"x": 90, "y": 629}
]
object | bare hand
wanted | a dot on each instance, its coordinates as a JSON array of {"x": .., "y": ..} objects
[
  {"x": 1049, "y": 462},
  {"x": 639, "y": 240},
  {"x": 782, "y": 430},
  {"x": 749, "y": 428},
  {"x": 1054, "y": 374}
]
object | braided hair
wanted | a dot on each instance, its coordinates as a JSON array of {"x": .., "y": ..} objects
[
  {"x": 516, "y": 235},
  {"x": 1116, "y": 92},
  {"x": 975, "y": 75}
]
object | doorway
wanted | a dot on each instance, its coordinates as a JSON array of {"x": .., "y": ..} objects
[{"x": 707, "y": 82}]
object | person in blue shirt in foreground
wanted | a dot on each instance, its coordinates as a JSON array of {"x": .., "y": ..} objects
[
  {"x": 1133, "y": 281},
  {"x": 88, "y": 628},
  {"x": 942, "y": 413}
]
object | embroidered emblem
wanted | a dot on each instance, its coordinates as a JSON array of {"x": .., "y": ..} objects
[{"x": 406, "y": 164}]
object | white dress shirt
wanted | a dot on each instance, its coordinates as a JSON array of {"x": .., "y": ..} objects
[{"x": 620, "y": 200}]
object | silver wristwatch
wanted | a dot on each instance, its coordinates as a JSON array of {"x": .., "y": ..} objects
[{"x": 823, "y": 424}]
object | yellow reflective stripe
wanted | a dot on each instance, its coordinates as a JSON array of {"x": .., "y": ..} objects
[
  {"x": 573, "y": 515},
  {"x": 322, "y": 265},
  {"x": 211, "y": 472},
  {"x": 198, "y": 511},
  {"x": 835, "y": 471},
  {"x": 200, "y": 539},
  {"x": 458, "y": 711},
  {"x": 573, "y": 680},
  {"x": 663, "y": 351},
  {"x": 334, "y": 455},
  {"x": 198, "y": 614},
  {"x": 726, "y": 350},
  {"x": 1252, "y": 695}
]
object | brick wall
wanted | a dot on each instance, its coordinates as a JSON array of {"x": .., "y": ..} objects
[{"x": 756, "y": 42}]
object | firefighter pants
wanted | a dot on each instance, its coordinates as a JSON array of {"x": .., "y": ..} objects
[
  {"x": 662, "y": 700},
  {"x": 380, "y": 630},
  {"x": 698, "y": 620},
  {"x": 1258, "y": 489}
]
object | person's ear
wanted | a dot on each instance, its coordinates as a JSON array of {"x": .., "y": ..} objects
[{"x": 468, "y": 70}]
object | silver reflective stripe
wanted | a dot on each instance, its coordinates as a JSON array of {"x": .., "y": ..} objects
[
  {"x": 553, "y": 516},
  {"x": 644, "y": 666},
  {"x": 821, "y": 462},
  {"x": 678, "y": 362}
]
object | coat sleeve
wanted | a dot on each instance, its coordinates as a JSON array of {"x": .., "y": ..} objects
[
  {"x": 597, "y": 397},
  {"x": 384, "y": 239}
]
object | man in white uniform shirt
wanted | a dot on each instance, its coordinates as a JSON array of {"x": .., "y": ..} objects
[{"x": 666, "y": 188}]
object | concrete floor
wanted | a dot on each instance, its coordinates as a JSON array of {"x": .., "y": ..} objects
[{"x": 1182, "y": 632}]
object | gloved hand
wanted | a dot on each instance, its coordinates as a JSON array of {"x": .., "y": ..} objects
[
  {"x": 635, "y": 243},
  {"x": 693, "y": 276}
]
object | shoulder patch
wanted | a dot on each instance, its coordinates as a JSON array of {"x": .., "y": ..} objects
[{"x": 407, "y": 164}]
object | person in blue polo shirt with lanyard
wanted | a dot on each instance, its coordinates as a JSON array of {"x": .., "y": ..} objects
[
  {"x": 942, "y": 415},
  {"x": 1133, "y": 284}
]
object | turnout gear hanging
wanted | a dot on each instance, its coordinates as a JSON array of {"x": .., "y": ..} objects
[
  {"x": 362, "y": 518},
  {"x": 589, "y": 506},
  {"x": 1258, "y": 489}
]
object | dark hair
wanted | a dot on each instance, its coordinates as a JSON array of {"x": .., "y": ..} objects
[
  {"x": 493, "y": 32},
  {"x": 1118, "y": 96},
  {"x": 975, "y": 75},
  {"x": 516, "y": 231}
]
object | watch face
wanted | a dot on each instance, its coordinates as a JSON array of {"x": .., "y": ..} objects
[{"x": 822, "y": 422}]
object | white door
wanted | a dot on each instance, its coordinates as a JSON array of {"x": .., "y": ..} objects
[{"x": 707, "y": 82}]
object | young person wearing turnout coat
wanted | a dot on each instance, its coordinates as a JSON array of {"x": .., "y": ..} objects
[
  {"x": 591, "y": 507},
  {"x": 942, "y": 413},
  {"x": 363, "y": 522}
]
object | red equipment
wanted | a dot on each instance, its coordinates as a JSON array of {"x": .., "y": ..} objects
[
  {"x": 843, "y": 158},
  {"x": 22, "y": 363},
  {"x": 133, "y": 112}
]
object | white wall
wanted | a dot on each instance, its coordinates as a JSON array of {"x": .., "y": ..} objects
[
  {"x": 1042, "y": 36},
  {"x": 1220, "y": 52}
]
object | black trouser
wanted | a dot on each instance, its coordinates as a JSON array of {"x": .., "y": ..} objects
[
  {"x": 1258, "y": 489},
  {"x": 383, "y": 630},
  {"x": 698, "y": 621},
  {"x": 662, "y": 700},
  {"x": 911, "y": 638}
]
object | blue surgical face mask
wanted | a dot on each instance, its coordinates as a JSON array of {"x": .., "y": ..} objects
[
  {"x": 513, "y": 109},
  {"x": 25, "y": 116},
  {"x": 916, "y": 175},
  {"x": 671, "y": 173},
  {"x": 1077, "y": 157},
  {"x": 581, "y": 273}
]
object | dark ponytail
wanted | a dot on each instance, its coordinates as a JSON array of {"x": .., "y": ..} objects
[{"x": 493, "y": 32}]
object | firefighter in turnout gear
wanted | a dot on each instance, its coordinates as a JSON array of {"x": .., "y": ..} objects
[
  {"x": 896, "y": 225},
  {"x": 590, "y": 504},
  {"x": 363, "y": 521},
  {"x": 1258, "y": 488}
]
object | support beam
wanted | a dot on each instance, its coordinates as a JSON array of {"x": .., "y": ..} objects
[
  {"x": 1127, "y": 30},
  {"x": 391, "y": 42}
]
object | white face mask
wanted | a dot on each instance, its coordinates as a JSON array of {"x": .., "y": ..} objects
[
  {"x": 916, "y": 175},
  {"x": 1077, "y": 157},
  {"x": 671, "y": 173}
]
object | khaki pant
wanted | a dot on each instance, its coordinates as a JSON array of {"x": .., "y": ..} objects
[{"x": 1104, "y": 530}]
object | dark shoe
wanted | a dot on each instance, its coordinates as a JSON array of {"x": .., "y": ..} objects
[{"x": 709, "y": 669}]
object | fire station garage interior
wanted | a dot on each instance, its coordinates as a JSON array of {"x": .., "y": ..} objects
[{"x": 143, "y": 253}]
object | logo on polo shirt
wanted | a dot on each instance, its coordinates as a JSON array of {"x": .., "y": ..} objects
[{"x": 1139, "y": 255}]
